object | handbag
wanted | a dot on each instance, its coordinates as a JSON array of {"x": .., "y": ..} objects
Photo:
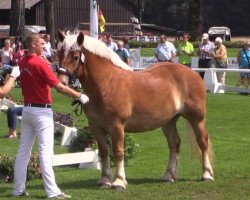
[
  {"x": 221, "y": 65},
  {"x": 246, "y": 57}
]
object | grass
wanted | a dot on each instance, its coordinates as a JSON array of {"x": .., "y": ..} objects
[{"x": 227, "y": 124}]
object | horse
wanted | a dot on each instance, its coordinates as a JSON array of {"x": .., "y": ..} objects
[{"x": 123, "y": 100}]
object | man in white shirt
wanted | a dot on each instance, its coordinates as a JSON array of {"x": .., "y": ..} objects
[
  {"x": 165, "y": 51},
  {"x": 47, "y": 48},
  {"x": 110, "y": 43}
]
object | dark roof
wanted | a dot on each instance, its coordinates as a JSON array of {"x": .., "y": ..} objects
[{"x": 6, "y": 4}]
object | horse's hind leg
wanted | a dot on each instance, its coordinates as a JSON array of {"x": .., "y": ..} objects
[
  {"x": 170, "y": 131},
  {"x": 205, "y": 147},
  {"x": 102, "y": 141}
]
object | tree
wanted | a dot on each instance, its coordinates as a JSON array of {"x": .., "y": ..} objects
[
  {"x": 195, "y": 19},
  {"x": 17, "y": 18},
  {"x": 50, "y": 20}
]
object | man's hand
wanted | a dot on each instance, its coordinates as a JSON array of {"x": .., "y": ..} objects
[
  {"x": 84, "y": 98},
  {"x": 15, "y": 72}
]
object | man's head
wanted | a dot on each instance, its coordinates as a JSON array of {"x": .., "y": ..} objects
[
  {"x": 205, "y": 38},
  {"x": 35, "y": 43},
  {"x": 47, "y": 37},
  {"x": 185, "y": 37},
  {"x": 163, "y": 38},
  {"x": 120, "y": 44},
  {"x": 109, "y": 39}
]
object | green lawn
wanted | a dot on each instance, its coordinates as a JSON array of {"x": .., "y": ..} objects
[{"x": 227, "y": 124}]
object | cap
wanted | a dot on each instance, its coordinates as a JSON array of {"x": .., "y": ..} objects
[{"x": 205, "y": 36}]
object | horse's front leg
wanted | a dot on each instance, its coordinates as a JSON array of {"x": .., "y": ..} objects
[
  {"x": 117, "y": 134},
  {"x": 101, "y": 138}
]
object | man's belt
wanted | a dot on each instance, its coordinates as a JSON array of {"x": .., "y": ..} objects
[{"x": 38, "y": 105}]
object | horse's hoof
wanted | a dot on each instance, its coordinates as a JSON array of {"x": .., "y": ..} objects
[
  {"x": 168, "y": 178},
  {"x": 118, "y": 188},
  {"x": 104, "y": 185},
  {"x": 119, "y": 184},
  {"x": 104, "y": 182},
  {"x": 207, "y": 178}
]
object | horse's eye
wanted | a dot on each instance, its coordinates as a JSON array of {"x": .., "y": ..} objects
[{"x": 76, "y": 58}]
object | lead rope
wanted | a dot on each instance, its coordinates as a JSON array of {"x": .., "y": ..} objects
[{"x": 78, "y": 104}]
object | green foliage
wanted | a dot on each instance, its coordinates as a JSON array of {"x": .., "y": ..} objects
[
  {"x": 7, "y": 168},
  {"x": 84, "y": 139}
]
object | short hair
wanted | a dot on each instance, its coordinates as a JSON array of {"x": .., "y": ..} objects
[
  {"x": 7, "y": 41},
  {"x": 120, "y": 42},
  {"x": 218, "y": 39},
  {"x": 185, "y": 35},
  {"x": 32, "y": 37},
  {"x": 247, "y": 43}
]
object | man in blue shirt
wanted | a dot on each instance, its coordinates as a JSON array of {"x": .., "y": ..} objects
[
  {"x": 122, "y": 52},
  {"x": 110, "y": 44}
]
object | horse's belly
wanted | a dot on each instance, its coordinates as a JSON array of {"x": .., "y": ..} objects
[{"x": 146, "y": 123}]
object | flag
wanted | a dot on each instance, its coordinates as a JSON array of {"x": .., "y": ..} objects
[
  {"x": 101, "y": 21},
  {"x": 93, "y": 19}
]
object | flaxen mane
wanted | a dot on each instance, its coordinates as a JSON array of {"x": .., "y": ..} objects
[{"x": 94, "y": 46}]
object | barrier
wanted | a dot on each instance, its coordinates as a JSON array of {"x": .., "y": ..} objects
[{"x": 212, "y": 84}]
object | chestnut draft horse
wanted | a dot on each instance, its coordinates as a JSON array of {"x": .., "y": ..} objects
[{"x": 123, "y": 100}]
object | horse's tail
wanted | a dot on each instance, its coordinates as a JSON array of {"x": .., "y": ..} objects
[{"x": 194, "y": 146}]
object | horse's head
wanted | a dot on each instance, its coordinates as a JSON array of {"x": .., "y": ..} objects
[{"x": 70, "y": 56}]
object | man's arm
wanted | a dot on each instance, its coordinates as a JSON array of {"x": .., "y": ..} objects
[{"x": 65, "y": 90}]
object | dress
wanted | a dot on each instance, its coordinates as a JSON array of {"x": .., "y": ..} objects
[
  {"x": 37, "y": 122},
  {"x": 183, "y": 57},
  {"x": 164, "y": 51}
]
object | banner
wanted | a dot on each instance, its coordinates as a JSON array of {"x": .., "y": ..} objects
[{"x": 93, "y": 19}]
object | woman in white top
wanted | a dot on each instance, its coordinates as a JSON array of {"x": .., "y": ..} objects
[{"x": 6, "y": 55}]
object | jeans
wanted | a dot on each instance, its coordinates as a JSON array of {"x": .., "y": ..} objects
[
  {"x": 204, "y": 63},
  {"x": 12, "y": 114},
  {"x": 36, "y": 123}
]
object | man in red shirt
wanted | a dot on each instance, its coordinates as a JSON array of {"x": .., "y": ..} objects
[{"x": 37, "y": 117}]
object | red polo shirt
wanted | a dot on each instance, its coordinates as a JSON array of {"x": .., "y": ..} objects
[{"x": 36, "y": 78}]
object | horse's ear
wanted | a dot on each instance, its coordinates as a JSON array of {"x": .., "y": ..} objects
[
  {"x": 80, "y": 39},
  {"x": 61, "y": 35}
]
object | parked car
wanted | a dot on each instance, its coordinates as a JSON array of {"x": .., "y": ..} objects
[{"x": 219, "y": 31}]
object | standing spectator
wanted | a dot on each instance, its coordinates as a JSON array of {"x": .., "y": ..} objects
[
  {"x": 110, "y": 43},
  {"x": 185, "y": 51},
  {"x": 125, "y": 43},
  {"x": 220, "y": 59},
  {"x": 37, "y": 117},
  {"x": 205, "y": 52},
  {"x": 12, "y": 114},
  {"x": 6, "y": 56},
  {"x": 18, "y": 53},
  {"x": 47, "y": 48},
  {"x": 165, "y": 51},
  {"x": 243, "y": 59},
  {"x": 122, "y": 52}
]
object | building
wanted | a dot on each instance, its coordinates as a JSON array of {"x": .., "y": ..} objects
[{"x": 69, "y": 14}]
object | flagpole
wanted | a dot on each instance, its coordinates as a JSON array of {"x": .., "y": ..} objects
[{"x": 93, "y": 21}]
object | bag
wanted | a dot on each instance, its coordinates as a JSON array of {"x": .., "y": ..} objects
[{"x": 221, "y": 65}]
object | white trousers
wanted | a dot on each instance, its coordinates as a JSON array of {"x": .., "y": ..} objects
[{"x": 36, "y": 122}]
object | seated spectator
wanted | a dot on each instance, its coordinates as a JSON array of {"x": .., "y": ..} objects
[
  {"x": 110, "y": 43},
  {"x": 18, "y": 53},
  {"x": 122, "y": 52},
  {"x": 6, "y": 55},
  {"x": 12, "y": 114}
]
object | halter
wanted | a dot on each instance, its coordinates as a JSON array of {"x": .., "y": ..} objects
[
  {"x": 71, "y": 76},
  {"x": 64, "y": 71}
]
